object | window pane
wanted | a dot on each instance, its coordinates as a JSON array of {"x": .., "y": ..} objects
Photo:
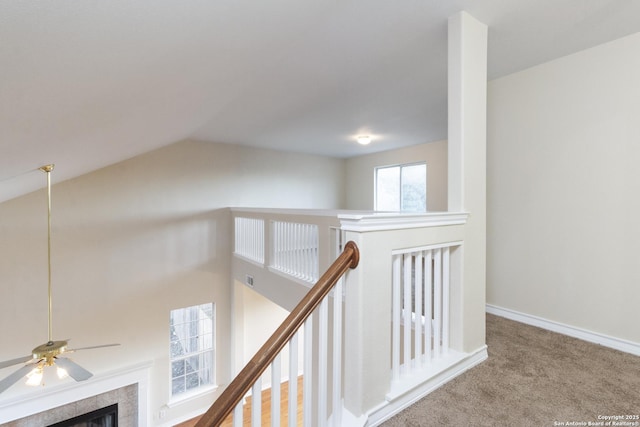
[
  {"x": 177, "y": 368},
  {"x": 388, "y": 189},
  {"x": 192, "y": 341},
  {"x": 414, "y": 188},
  {"x": 192, "y": 381},
  {"x": 177, "y": 385},
  {"x": 206, "y": 363},
  {"x": 176, "y": 349},
  {"x": 192, "y": 364}
]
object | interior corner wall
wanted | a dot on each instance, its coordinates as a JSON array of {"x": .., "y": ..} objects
[
  {"x": 260, "y": 319},
  {"x": 563, "y": 184},
  {"x": 133, "y": 241},
  {"x": 360, "y": 172}
]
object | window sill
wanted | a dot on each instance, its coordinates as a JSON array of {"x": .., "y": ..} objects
[{"x": 191, "y": 395}]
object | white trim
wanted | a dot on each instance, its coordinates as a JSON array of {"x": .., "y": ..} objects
[
  {"x": 249, "y": 260},
  {"x": 382, "y": 413},
  {"x": 427, "y": 247},
  {"x": 399, "y": 221},
  {"x": 191, "y": 395},
  {"x": 43, "y": 400},
  {"x": 572, "y": 331}
]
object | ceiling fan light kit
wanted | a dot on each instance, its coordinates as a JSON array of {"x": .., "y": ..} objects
[{"x": 48, "y": 354}]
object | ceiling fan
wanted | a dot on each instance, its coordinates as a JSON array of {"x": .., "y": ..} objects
[{"x": 50, "y": 353}]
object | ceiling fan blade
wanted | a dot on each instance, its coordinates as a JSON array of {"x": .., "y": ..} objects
[
  {"x": 74, "y": 370},
  {"x": 89, "y": 348},
  {"x": 15, "y": 377},
  {"x": 15, "y": 361}
]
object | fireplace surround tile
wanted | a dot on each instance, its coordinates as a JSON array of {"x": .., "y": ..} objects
[{"x": 126, "y": 397}]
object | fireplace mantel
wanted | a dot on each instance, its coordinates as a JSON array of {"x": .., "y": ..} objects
[{"x": 44, "y": 400}]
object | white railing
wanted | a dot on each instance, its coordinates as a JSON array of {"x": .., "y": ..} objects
[
  {"x": 299, "y": 245},
  {"x": 295, "y": 249},
  {"x": 420, "y": 307},
  {"x": 249, "y": 238},
  {"x": 408, "y": 278},
  {"x": 321, "y": 366}
]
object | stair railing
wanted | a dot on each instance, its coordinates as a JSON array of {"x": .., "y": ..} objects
[{"x": 251, "y": 373}]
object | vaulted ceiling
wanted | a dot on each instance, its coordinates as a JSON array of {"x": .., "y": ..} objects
[{"x": 87, "y": 83}]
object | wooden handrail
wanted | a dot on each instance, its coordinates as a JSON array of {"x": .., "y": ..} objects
[{"x": 241, "y": 384}]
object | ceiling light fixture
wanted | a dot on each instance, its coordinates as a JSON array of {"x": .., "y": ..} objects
[{"x": 363, "y": 139}]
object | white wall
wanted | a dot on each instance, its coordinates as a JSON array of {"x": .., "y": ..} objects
[
  {"x": 137, "y": 239},
  {"x": 257, "y": 318},
  {"x": 360, "y": 174},
  {"x": 563, "y": 190}
]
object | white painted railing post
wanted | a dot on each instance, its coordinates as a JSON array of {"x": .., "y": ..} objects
[{"x": 395, "y": 305}]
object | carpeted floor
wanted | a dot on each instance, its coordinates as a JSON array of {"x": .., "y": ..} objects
[{"x": 534, "y": 377}]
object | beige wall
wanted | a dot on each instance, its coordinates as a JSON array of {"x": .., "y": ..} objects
[
  {"x": 137, "y": 239},
  {"x": 563, "y": 186},
  {"x": 257, "y": 318},
  {"x": 360, "y": 174}
]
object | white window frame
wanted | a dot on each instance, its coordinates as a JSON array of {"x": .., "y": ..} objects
[
  {"x": 399, "y": 165},
  {"x": 204, "y": 388}
]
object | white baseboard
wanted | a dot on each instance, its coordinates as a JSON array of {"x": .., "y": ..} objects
[
  {"x": 583, "y": 334},
  {"x": 387, "y": 410}
]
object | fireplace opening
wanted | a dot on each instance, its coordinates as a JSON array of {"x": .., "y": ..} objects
[{"x": 104, "y": 417}]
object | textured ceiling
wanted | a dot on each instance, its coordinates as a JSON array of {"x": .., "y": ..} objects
[{"x": 88, "y": 83}]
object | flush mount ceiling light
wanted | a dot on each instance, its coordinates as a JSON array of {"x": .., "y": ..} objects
[
  {"x": 363, "y": 139},
  {"x": 50, "y": 353}
]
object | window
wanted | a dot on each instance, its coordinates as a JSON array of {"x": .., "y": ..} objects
[
  {"x": 401, "y": 188},
  {"x": 192, "y": 349}
]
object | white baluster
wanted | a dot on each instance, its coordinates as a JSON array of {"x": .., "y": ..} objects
[
  {"x": 276, "y": 378},
  {"x": 337, "y": 353},
  {"x": 445, "y": 299},
  {"x": 396, "y": 317},
  {"x": 278, "y": 244},
  {"x": 293, "y": 380},
  {"x": 254, "y": 239},
  {"x": 316, "y": 254},
  {"x": 237, "y": 414},
  {"x": 428, "y": 304},
  {"x": 323, "y": 352},
  {"x": 256, "y": 403},
  {"x": 308, "y": 261},
  {"x": 437, "y": 303},
  {"x": 307, "y": 404},
  {"x": 407, "y": 313},
  {"x": 417, "y": 286},
  {"x": 290, "y": 247}
]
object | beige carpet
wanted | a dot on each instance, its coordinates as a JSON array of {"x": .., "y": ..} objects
[{"x": 535, "y": 377}]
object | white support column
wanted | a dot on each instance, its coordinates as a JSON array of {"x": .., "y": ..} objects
[{"x": 467, "y": 140}]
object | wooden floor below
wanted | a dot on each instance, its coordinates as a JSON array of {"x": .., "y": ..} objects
[{"x": 266, "y": 409}]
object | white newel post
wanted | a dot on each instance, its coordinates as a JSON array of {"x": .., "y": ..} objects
[
  {"x": 368, "y": 298},
  {"x": 467, "y": 140},
  {"x": 367, "y": 326}
]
